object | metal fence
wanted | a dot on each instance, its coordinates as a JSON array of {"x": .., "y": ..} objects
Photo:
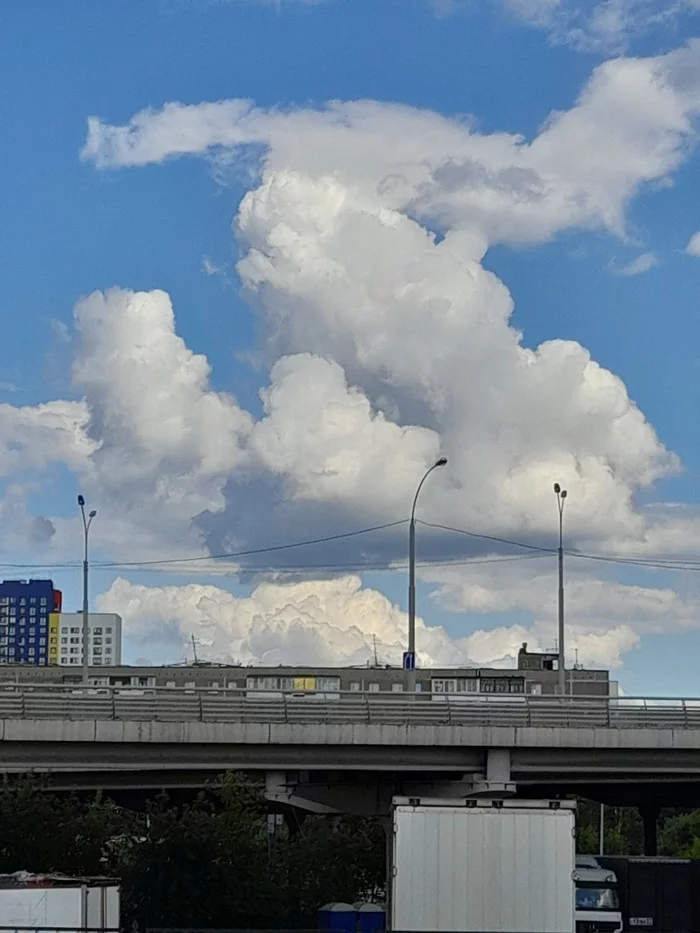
[{"x": 241, "y": 706}]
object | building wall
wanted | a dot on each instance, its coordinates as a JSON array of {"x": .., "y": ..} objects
[
  {"x": 105, "y": 639},
  {"x": 25, "y": 609},
  {"x": 328, "y": 680},
  {"x": 54, "y": 626}
]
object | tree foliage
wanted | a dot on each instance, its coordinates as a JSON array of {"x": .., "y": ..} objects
[{"x": 214, "y": 863}]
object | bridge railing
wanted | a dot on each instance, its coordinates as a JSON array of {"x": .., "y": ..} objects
[{"x": 167, "y": 704}]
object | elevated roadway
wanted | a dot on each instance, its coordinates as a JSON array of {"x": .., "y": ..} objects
[{"x": 313, "y": 749}]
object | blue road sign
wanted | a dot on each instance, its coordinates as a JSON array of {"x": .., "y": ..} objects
[{"x": 409, "y": 660}]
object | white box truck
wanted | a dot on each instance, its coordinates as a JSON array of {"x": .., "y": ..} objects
[
  {"x": 58, "y": 902},
  {"x": 482, "y": 866}
]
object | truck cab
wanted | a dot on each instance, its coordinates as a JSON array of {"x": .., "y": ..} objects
[{"x": 597, "y": 897}]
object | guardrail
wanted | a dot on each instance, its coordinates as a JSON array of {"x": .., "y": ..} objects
[{"x": 166, "y": 704}]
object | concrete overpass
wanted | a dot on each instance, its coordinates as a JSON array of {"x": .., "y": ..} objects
[{"x": 351, "y": 752}]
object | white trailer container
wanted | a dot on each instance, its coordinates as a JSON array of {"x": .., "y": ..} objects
[
  {"x": 57, "y": 902},
  {"x": 482, "y": 866}
]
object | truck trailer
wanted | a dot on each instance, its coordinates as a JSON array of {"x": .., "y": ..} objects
[
  {"x": 482, "y": 866},
  {"x": 58, "y": 902},
  {"x": 656, "y": 894}
]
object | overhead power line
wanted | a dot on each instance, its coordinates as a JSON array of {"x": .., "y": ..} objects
[
  {"x": 368, "y": 566},
  {"x": 483, "y": 537},
  {"x": 252, "y": 551},
  {"x": 653, "y": 562}
]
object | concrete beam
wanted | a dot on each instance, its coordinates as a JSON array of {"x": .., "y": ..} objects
[{"x": 345, "y": 734}]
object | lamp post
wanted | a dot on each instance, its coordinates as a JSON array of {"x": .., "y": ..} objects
[
  {"x": 410, "y": 658},
  {"x": 561, "y": 497},
  {"x": 87, "y": 521}
]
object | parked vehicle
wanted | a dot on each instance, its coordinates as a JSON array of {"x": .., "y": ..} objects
[
  {"x": 493, "y": 866},
  {"x": 597, "y": 897}
]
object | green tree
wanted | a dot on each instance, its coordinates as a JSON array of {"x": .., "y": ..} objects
[{"x": 680, "y": 835}]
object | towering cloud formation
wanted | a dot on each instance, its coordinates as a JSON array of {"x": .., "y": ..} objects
[{"x": 388, "y": 343}]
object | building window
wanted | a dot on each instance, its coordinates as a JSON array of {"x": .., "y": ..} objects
[
  {"x": 108, "y": 650},
  {"x": 502, "y": 685},
  {"x": 44, "y": 601},
  {"x": 64, "y": 651},
  {"x": 97, "y": 631},
  {"x": 64, "y": 641},
  {"x": 74, "y": 630},
  {"x": 75, "y": 641},
  {"x": 108, "y": 630},
  {"x": 73, "y": 650},
  {"x": 444, "y": 686},
  {"x": 97, "y": 641},
  {"x": 108, "y": 641},
  {"x": 33, "y": 599},
  {"x": 328, "y": 684}
]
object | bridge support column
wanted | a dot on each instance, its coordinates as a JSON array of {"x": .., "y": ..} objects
[
  {"x": 650, "y": 818},
  {"x": 495, "y": 782}
]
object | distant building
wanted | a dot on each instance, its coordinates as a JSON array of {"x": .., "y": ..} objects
[
  {"x": 29, "y": 622},
  {"x": 327, "y": 681},
  {"x": 105, "y": 639},
  {"x": 537, "y": 660}
]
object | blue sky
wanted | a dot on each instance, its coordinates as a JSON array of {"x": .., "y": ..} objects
[{"x": 292, "y": 242}]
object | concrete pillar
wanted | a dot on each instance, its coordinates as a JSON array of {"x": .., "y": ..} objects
[
  {"x": 495, "y": 782},
  {"x": 498, "y": 765},
  {"x": 650, "y": 817}
]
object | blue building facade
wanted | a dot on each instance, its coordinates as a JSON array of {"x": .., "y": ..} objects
[{"x": 26, "y": 611}]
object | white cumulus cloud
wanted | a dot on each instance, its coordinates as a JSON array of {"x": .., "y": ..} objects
[
  {"x": 643, "y": 263},
  {"x": 316, "y": 622},
  {"x": 693, "y": 247},
  {"x": 598, "y": 25},
  {"x": 323, "y": 622}
]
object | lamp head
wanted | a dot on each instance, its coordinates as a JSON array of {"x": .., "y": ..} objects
[
  {"x": 93, "y": 513},
  {"x": 441, "y": 462},
  {"x": 81, "y": 501},
  {"x": 557, "y": 488},
  {"x": 563, "y": 493}
]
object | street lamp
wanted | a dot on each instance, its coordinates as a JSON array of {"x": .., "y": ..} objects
[
  {"x": 410, "y": 659},
  {"x": 87, "y": 521},
  {"x": 561, "y": 496}
]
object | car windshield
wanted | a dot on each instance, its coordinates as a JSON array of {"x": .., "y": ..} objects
[{"x": 595, "y": 898}]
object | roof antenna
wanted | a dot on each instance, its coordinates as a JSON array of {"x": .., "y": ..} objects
[
  {"x": 194, "y": 650},
  {"x": 374, "y": 643}
]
